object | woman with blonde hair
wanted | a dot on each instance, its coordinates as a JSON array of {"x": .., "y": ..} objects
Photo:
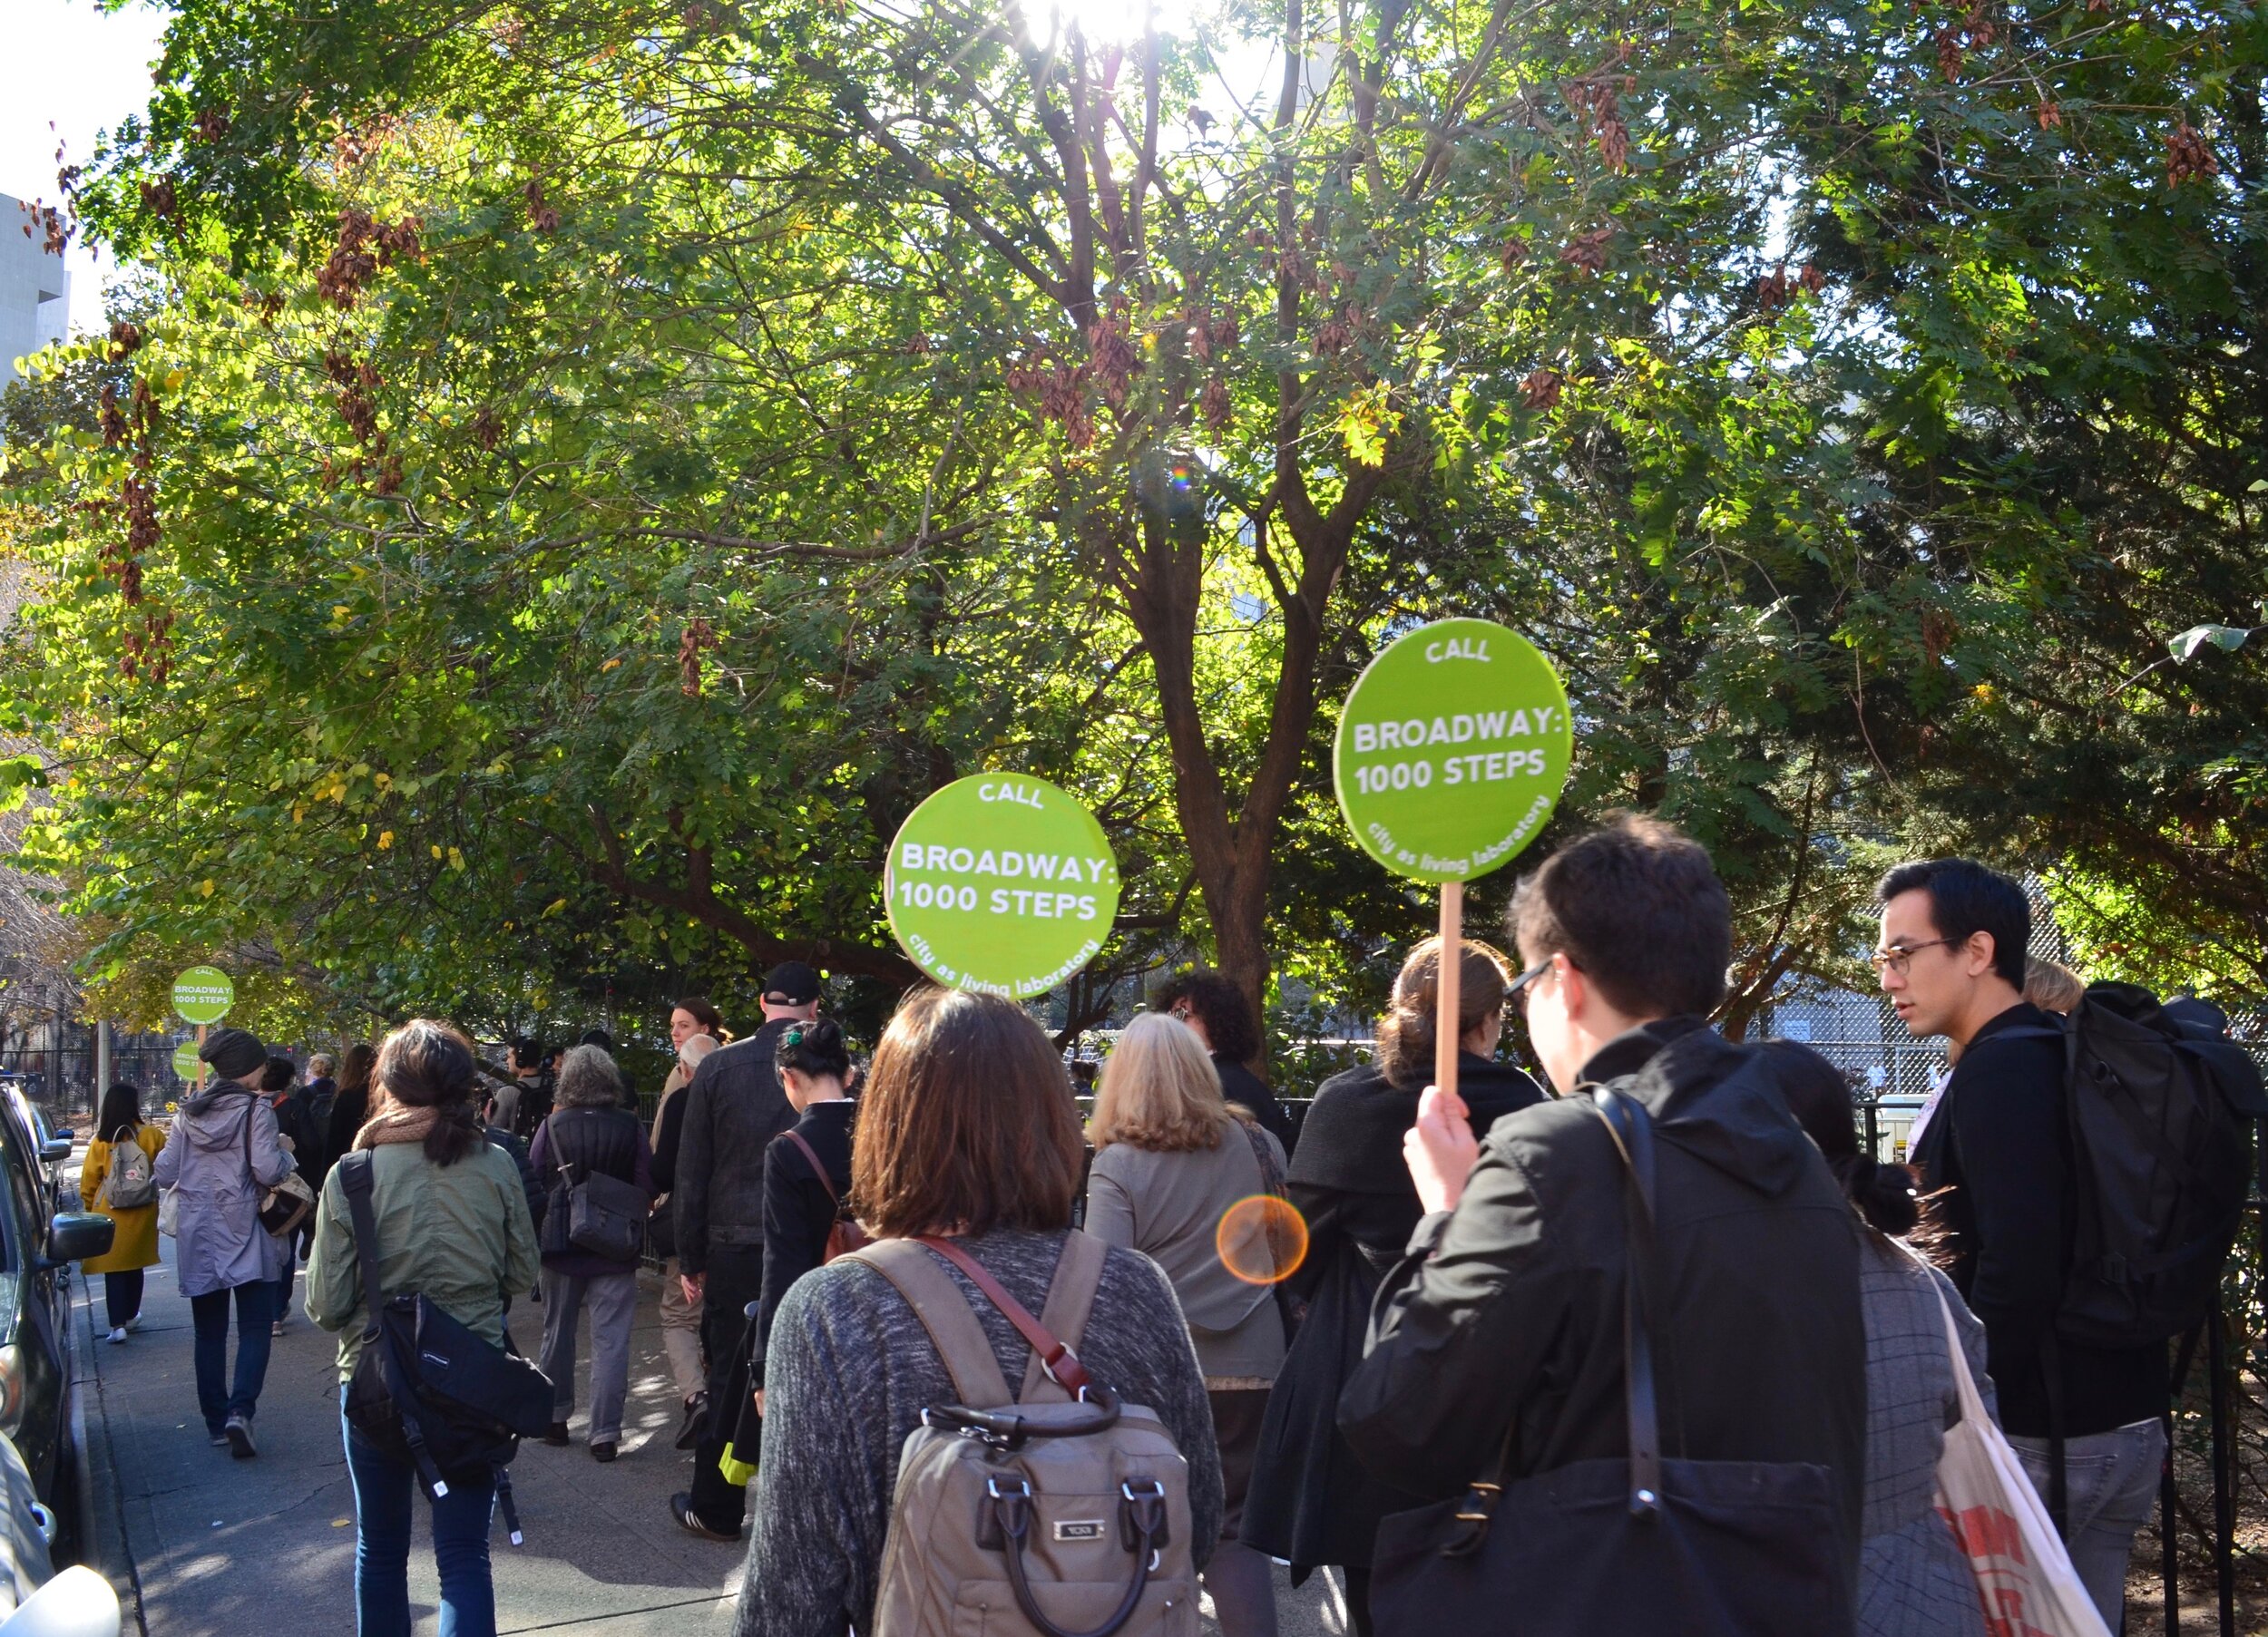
[{"x": 1172, "y": 1160}]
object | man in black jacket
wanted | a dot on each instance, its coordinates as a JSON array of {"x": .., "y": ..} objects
[
  {"x": 1214, "y": 1010},
  {"x": 734, "y": 1107},
  {"x": 1953, "y": 941},
  {"x": 1508, "y": 1339}
]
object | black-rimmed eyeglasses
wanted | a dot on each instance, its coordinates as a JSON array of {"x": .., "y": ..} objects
[{"x": 1516, "y": 996}]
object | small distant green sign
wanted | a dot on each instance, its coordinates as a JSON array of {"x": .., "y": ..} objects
[
  {"x": 185, "y": 1063},
  {"x": 203, "y": 994},
  {"x": 1001, "y": 883},
  {"x": 1453, "y": 750}
]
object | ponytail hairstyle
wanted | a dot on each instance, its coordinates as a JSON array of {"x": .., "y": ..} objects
[
  {"x": 815, "y": 1049},
  {"x": 427, "y": 1063},
  {"x": 1820, "y": 1099},
  {"x": 1406, "y": 1033}
]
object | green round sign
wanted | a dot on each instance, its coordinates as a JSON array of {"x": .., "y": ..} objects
[
  {"x": 203, "y": 994},
  {"x": 1453, "y": 750},
  {"x": 185, "y": 1063},
  {"x": 1001, "y": 883}
]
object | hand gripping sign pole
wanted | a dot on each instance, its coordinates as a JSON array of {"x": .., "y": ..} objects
[{"x": 1451, "y": 751}]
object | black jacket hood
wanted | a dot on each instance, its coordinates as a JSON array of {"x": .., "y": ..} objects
[{"x": 1715, "y": 1100}]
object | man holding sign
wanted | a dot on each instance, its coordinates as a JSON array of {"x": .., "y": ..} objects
[{"x": 1502, "y": 1358}]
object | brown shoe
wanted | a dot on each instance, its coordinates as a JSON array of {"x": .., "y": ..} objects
[
  {"x": 557, "y": 1436},
  {"x": 602, "y": 1453}
]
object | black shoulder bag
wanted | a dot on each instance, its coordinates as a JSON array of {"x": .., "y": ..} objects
[
  {"x": 427, "y": 1389},
  {"x": 1701, "y": 1548}
]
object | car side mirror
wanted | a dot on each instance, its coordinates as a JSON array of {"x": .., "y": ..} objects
[
  {"x": 66, "y": 1134},
  {"x": 55, "y": 1148},
  {"x": 76, "y": 1235}
]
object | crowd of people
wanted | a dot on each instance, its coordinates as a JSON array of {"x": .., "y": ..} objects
[{"x": 1438, "y": 1306}]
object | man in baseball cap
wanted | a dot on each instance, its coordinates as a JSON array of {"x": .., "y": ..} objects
[
  {"x": 791, "y": 987},
  {"x": 734, "y": 1106}
]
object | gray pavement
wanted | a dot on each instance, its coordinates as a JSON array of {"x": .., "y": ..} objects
[{"x": 201, "y": 1545}]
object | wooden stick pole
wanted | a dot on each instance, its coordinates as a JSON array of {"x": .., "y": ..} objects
[
  {"x": 1446, "y": 988},
  {"x": 198, "y": 1084}
]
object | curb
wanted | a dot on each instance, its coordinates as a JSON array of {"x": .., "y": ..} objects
[{"x": 108, "y": 1552}]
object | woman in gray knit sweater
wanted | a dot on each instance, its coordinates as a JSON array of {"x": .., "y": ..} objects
[{"x": 967, "y": 1129}]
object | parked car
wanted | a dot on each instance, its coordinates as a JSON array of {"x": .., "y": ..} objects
[
  {"x": 38, "y": 1243},
  {"x": 28, "y": 1529},
  {"x": 51, "y": 1145},
  {"x": 35, "y": 1601}
]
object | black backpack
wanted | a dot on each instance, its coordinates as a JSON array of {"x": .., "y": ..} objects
[
  {"x": 427, "y": 1389},
  {"x": 2161, "y": 1162}
]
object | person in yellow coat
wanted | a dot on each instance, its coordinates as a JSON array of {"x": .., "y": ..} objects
[{"x": 119, "y": 1180}]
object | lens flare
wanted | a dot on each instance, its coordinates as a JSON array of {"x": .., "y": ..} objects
[{"x": 1262, "y": 1239}]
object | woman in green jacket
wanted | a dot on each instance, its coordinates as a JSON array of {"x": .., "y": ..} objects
[{"x": 452, "y": 1221}]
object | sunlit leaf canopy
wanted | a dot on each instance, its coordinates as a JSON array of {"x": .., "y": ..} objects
[{"x": 578, "y": 472}]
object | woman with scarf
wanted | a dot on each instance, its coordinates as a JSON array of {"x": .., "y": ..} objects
[{"x": 451, "y": 1223}]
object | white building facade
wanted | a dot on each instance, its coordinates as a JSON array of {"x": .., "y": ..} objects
[{"x": 35, "y": 289}]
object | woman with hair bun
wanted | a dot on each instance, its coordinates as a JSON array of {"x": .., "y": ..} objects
[
  {"x": 453, "y": 1224},
  {"x": 1914, "y": 1580},
  {"x": 1311, "y": 1502},
  {"x": 807, "y": 1168}
]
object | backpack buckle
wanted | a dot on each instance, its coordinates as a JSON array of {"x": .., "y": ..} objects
[{"x": 1142, "y": 1515}]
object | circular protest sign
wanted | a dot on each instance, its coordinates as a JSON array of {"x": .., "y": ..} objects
[
  {"x": 185, "y": 1063},
  {"x": 1453, "y": 750},
  {"x": 203, "y": 994},
  {"x": 1000, "y": 883}
]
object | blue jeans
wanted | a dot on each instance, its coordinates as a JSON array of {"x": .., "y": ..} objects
[
  {"x": 383, "y": 1487},
  {"x": 254, "y": 1313}
]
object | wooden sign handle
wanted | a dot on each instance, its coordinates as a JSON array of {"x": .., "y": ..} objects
[
  {"x": 1447, "y": 984},
  {"x": 198, "y": 1084}
]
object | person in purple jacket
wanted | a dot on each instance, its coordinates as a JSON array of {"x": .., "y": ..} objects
[{"x": 589, "y": 1131}]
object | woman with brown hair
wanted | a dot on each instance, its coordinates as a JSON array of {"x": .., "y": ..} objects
[
  {"x": 1172, "y": 1159},
  {"x": 350, "y": 1105},
  {"x": 451, "y": 1225},
  {"x": 966, "y": 1133},
  {"x": 1311, "y": 1501}
]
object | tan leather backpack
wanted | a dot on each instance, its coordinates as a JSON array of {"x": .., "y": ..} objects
[{"x": 1063, "y": 1512}]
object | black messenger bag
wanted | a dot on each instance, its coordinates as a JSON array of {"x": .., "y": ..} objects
[{"x": 1646, "y": 1545}]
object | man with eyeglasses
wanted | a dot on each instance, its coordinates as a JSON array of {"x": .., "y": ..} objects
[{"x": 1954, "y": 937}]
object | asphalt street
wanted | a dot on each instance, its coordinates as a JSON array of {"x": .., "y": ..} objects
[{"x": 201, "y": 1545}]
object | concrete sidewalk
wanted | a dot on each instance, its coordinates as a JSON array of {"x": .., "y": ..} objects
[
  {"x": 201, "y": 1545},
  {"x": 208, "y": 1545}
]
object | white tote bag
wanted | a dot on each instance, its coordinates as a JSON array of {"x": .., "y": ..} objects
[
  {"x": 169, "y": 1212},
  {"x": 2024, "y": 1575}
]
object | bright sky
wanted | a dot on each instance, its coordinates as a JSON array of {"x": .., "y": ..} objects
[{"x": 86, "y": 71}]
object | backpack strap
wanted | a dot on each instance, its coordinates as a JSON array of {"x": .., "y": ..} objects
[
  {"x": 1070, "y": 1299},
  {"x": 945, "y": 1314},
  {"x": 354, "y": 1178}
]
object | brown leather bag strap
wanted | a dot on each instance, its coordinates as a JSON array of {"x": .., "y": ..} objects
[
  {"x": 945, "y": 1314},
  {"x": 818, "y": 1170},
  {"x": 1070, "y": 1299},
  {"x": 1061, "y": 1364}
]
